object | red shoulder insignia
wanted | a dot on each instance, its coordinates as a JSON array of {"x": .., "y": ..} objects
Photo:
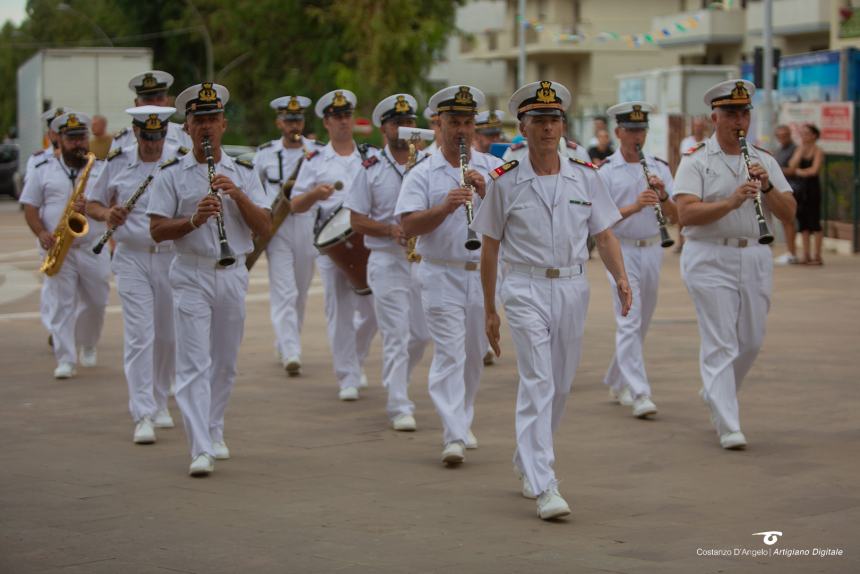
[
  {"x": 695, "y": 148},
  {"x": 517, "y": 146},
  {"x": 503, "y": 169},
  {"x": 585, "y": 163},
  {"x": 312, "y": 154},
  {"x": 371, "y": 161}
]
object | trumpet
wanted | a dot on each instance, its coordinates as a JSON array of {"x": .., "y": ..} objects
[
  {"x": 764, "y": 234},
  {"x": 665, "y": 239},
  {"x": 227, "y": 257},
  {"x": 129, "y": 205},
  {"x": 71, "y": 225},
  {"x": 472, "y": 241}
]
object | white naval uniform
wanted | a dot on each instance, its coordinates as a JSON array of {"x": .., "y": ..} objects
[
  {"x": 543, "y": 223},
  {"x": 520, "y": 151},
  {"x": 639, "y": 235},
  {"x": 432, "y": 148},
  {"x": 393, "y": 279},
  {"x": 74, "y": 300},
  {"x": 176, "y": 137},
  {"x": 208, "y": 301},
  {"x": 35, "y": 159},
  {"x": 730, "y": 285},
  {"x": 141, "y": 267},
  {"x": 349, "y": 316},
  {"x": 450, "y": 292},
  {"x": 291, "y": 250}
]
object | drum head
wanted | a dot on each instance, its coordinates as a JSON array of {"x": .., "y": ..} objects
[{"x": 336, "y": 229}]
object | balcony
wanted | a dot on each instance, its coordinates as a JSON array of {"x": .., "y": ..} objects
[
  {"x": 791, "y": 17},
  {"x": 713, "y": 27}
]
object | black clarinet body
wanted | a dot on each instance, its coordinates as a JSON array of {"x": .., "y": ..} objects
[
  {"x": 665, "y": 239},
  {"x": 472, "y": 241},
  {"x": 128, "y": 205},
  {"x": 764, "y": 235},
  {"x": 227, "y": 257}
]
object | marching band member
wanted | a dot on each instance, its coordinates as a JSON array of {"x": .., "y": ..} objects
[
  {"x": 433, "y": 122},
  {"x": 639, "y": 234},
  {"x": 150, "y": 89},
  {"x": 53, "y": 147},
  {"x": 208, "y": 287},
  {"x": 566, "y": 146},
  {"x": 76, "y": 297},
  {"x": 141, "y": 268},
  {"x": 728, "y": 272},
  {"x": 393, "y": 279},
  {"x": 290, "y": 251},
  {"x": 338, "y": 161},
  {"x": 432, "y": 205},
  {"x": 541, "y": 211},
  {"x": 488, "y": 129}
]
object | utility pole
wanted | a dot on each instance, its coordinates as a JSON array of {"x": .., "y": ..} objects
[
  {"x": 766, "y": 122},
  {"x": 521, "y": 39}
]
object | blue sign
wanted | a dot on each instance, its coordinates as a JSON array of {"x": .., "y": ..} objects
[{"x": 810, "y": 77}]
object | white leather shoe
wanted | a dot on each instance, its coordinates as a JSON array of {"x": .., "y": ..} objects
[
  {"x": 362, "y": 382},
  {"x": 163, "y": 420},
  {"x": 624, "y": 398},
  {"x": 64, "y": 371},
  {"x": 527, "y": 490},
  {"x": 88, "y": 357},
  {"x": 220, "y": 450},
  {"x": 733, "y": 440},
  {"x": 471, "y": 441},
  {"x": 404, "y": 423},
  {"x": 551, "y": 505},
  {"x": 144, "y": 433},
  {"x": 202, "y": 465},
  {"x": 643, "y": 407},
  {"x": 293, "y": 366},
  {"x": 348, "y": 394},
  {"x": 454, "y": 453}
]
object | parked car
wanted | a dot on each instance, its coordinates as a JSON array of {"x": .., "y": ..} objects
[{"x": 8, "y": 169}]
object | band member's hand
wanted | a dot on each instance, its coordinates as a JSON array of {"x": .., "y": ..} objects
[
  {"x": 46, "y": 239},
  {"x": 492, "y": 323},
  {"x": 207, "y": 207},
  {"x": 760, "y": 173},
  {"x": 476, "y": 180},
  {"x": 395, "y": 232},
  {"x": 117, "y": 215},
  {"x": 323, "y": 191},
  {"x": 456, "y": 198},
  {"x": 625, "y": 295},
  {"x": 658, "y": 184},
  {"x": 80, "y": 204},
  {"x": 226, "y": 186},
  {"x": 646, "y": 198},
  {"x": 747, "y": 191}
]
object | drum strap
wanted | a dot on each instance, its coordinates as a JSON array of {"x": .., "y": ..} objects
[{"x": 392, "y": 164}]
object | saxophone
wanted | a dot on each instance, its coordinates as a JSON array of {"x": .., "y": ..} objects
[
  {"x": 411, "y": 255},
  {"x": 71, "y": 225}
]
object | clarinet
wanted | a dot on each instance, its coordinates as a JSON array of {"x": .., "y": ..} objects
[
  {"x": 128, "y": 205},
  {"x": 227, "y": 257},
  {"x": 472, "y": 241},
  {"x": 665, "y": 239},
  {"x": 764, "y": 234}
]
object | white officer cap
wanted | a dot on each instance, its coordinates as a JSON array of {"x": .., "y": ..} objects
[
  {"x": 731, "y": 93},
  {"x": 71, "y": 123},
  {"x": 456, "y": 100},
  {"x": 544, "y": 98},
  {"x": 151, "y": 120},
  {"x": 48, "y": 116},
  {"x": 290, "y": 107},
  {"x": 632, "y": 115},
  {"x": 201, "y": 99},
  {"x": 489, "y": 122},
  {"x": 429, "y": 114},
  {"x": 335, "y": 102},
  {"x": 151, "y": 83},
  {"x": 396, "y": 106}
]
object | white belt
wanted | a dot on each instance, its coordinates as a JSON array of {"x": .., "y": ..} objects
[
  {"x": 467, "y": 265},
  {"x": 168, "y": 248},
  {"x": 640, "y": 242},
  {"x": 208, "y": 262},
  {"x": 730, "y": 241},
  {"x": 547, "y": 272}
]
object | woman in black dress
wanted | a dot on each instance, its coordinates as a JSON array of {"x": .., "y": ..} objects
[{"x": 805, "y": 166}]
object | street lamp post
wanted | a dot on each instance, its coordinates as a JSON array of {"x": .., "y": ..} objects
[
  {"x": 207, "y": 41},
  {"x": 64, "y": 7}
]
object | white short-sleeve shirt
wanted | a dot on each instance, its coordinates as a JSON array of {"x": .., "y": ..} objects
[{"x": 275, "y": 164}]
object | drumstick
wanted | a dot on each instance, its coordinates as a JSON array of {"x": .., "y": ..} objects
[{"x": 338, "y": 185}]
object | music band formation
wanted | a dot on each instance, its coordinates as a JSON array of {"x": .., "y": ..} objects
[{"x": 420, "y": 242}]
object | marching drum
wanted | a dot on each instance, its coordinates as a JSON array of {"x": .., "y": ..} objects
[{"x": 345, "y": 247}]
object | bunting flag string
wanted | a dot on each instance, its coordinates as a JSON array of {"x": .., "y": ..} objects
[{"x": 681, "y": 26}]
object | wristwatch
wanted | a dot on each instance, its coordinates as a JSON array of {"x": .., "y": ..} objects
[{"x": 768, "y": 189}]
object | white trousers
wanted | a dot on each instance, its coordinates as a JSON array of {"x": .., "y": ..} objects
[
  {"x": 397, "y": 301},
  {"x": 454, "y": 309},
  {"x": 291, "y": 257},
  {"x": 731, "y": 288},
  {"x": 547, "y": 321},
  {"x": 627, "y": 368},
  {"x": 148, "y": 337},
  {"x": 75, "y": 303},
  {"x": 209, "y": 315},
  {"x": 350, "y": 320}
]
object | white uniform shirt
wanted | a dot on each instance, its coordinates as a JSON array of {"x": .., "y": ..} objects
[
  {"x": 49, "y": 187},
  {"x": 540, "y": 231},
  {"x": 176, "y": 137},
  {"x": 327, "y": 166},
  {"x": 427, "y": 185},
  {"x": 374, "y": 194},
  {"x": 566, "y": 147},
  {"x": 121, "y": 177},
  {"x": 625, "y": 181},
  {"x": 711, "y": 175},
  {"x": 275, "y": 164},
  {"x": 432, "y": 148},
  {"x": 178, "y": 188},
  {"x": 36, "y": 158},
  {"x": 687, "y": 143}
]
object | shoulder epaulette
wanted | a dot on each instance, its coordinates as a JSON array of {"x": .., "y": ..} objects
[
  {"x": 762, "y": 149},
  {"x": 41, "y": 163},
  {"x": 265, "y": 145},
  {"x": 245, "y": 163},
  {"x": 571, "y": 145},
  {"x": 114, "y": 154},
  {"x": 312, "y": 154},
  {"x": 182, "y": 150},
  {"x": 517, "y": 146},
  {"x": 695, "y": 148},
  {"x": 369, "y": 162},
  {"x": 585, "y": 163},
  {"x": 37, "y": 152},
  {"x": 503, "y": 169},
  {"x": 120, "y": 133},
  {"x": 169, "y": 162},
  {"x": 661, "y": 160},
  {"x": 317, "y": 142}
]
